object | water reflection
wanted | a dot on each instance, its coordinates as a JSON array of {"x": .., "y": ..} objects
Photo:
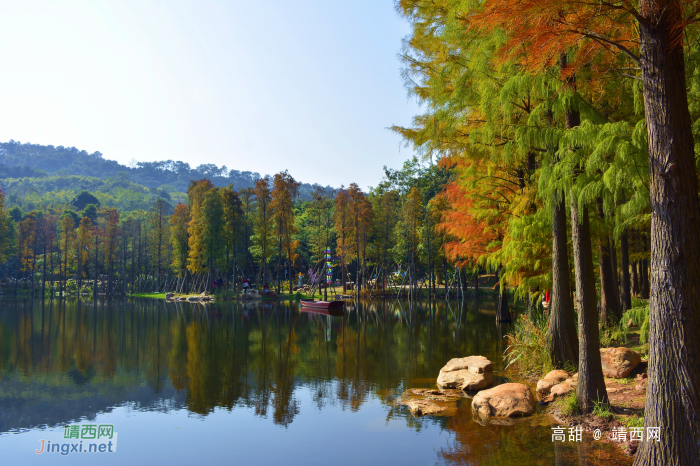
[{"x": 63, "y": 361}]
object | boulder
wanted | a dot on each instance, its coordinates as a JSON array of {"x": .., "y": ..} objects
[
  {"x": 618, "y": 362},
  {"x": 193, "y": 299},
  {"x": 440, "y": 395},
  {"x": 429, "y": 408},
  {"x": 545, "y": 385},
  {"x": 557, "y": 375},
  {"x": 470, "y": 373},
  {"x": 550, "y": 380},
  {"x": 507, "y": 400},
  {"x": 561, "y": 389},
  {"x": 169, "y": 296}
]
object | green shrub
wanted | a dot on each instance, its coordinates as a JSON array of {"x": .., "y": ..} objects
[
  {"x": 632, "y": 421},
  {"x": 528, "y": 351},
  {"x": 637, "y": 314},
  {"x": 602, "y": 410},
  {"x": 614, "y": 334},
  {"x": 569, "y": 404}
]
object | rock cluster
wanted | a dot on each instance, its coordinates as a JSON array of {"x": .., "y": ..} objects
[
  {"x": 470, "y": 373},
  {"x": 556, "y": 383}
]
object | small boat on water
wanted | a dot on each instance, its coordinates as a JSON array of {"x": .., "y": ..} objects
[
  {"x": 323, "y": 307},
  {"x": 313, "y": 303}
]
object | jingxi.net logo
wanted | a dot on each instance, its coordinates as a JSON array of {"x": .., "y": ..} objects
[{"x": 86, "y": 438}]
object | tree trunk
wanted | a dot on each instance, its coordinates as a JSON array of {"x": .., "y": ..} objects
[
  {"x": 94, "y": 279},
  {"x": 591, "y": 385},
  {"x": 635, "y": 279},
  {"x": 43, "y": 273},
  {"x": 609, "y": 303},
  {"x": 644, "y": 271},
  {"x": 561, "y": 332},
  {"x": 625, "y": 265},
  {"x": 673, "y": 393},
  {"x": 476, "y": 282},
  {"x": 503, "y": 313}
]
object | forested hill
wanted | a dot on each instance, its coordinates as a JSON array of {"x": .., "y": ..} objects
[{"x": 18, "y": 160}]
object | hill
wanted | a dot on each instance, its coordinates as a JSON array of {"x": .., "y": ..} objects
[{"x": 33, "y": 174}]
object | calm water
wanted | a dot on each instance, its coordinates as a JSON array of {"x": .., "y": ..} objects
[{"x": 255, "y": 384}]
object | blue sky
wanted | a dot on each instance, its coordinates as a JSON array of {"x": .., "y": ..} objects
[{"x": 261, "y": 85}]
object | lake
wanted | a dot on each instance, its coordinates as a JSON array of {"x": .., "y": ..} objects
[{"x": 263, "y": 384}]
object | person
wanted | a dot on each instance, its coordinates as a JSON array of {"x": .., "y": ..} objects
[
  {"x": 266, "y": 288},
  {"x": 246, "y": 285}
]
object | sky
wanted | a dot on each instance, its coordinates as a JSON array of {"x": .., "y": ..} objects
[{"x": 261, "y": 85}]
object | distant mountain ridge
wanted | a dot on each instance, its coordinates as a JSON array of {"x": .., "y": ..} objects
[{"x": 20, "y": 160}]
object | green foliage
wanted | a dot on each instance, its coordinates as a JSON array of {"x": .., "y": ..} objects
[
  {"x": 83, "y": 199},
  {"x": 614, "y": 334},
  {"x": 637, "y": 314},
  {"x": 631, "y": 421},
  {"x": 569, "y": 404},
  {"x": 640, "y": 318},
  {"x": 528, "y": 351},
  {"x": 644, "y": 331},
  {"x": 602, "y": 410}
]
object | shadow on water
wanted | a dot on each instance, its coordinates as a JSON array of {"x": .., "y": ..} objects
[{"x": 62, "y": 361}]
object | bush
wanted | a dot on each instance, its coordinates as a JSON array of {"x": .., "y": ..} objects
[
  {"x": 602, "y": 410},
  {"x": 632, "y": 421},
  {"x": 528, "y": 351},
  {"x": 640, "y": 317},
  {"x": 614, "y": 334},
  {"x": 569, "y": 404}
]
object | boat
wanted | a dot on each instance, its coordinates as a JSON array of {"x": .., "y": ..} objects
[{"x": 323, "y": 307}]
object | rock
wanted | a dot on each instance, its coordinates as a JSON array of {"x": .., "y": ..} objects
[
  {"x": 507, "y": 400},
  {"x": 550, "y": 380},
  {"x": 474, "y": 364},
  {"x": 169, "y": 296},
  {"x": 618, "y": 362},
  {"x": 182, "y": 298},
  {"x": 429, "y": 408},
  {"x": 561, "y": 389},
  {"x": 193, "y": 299},
  {"x": 557, "y": 375},
  {"x": 470, "y": 373},
  {"x": 441, "y": 395},
  {"x": 545, "y": 385}
]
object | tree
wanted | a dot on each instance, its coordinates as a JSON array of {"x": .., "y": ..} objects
[
  {"x": 27, "y": 245},
  {"x": 263, "y": 226},
  {"x": 543, "y": 29},
  {"x": 342, "y": 226},
  {"x": 196, "y": 242},
  {"x": 284, "y": 190},
  {"x": 6, "y": 231},
  {"x": 233, "y": 218},
  {"x": 67, "y": 239},
  {"x": 179, "y": 237},
  {"x": 159, "y": 230},
  {"x": 82, "y": 248},
  {"x": 111, "y": 239},
  {"x": 83, "y": 199}
]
